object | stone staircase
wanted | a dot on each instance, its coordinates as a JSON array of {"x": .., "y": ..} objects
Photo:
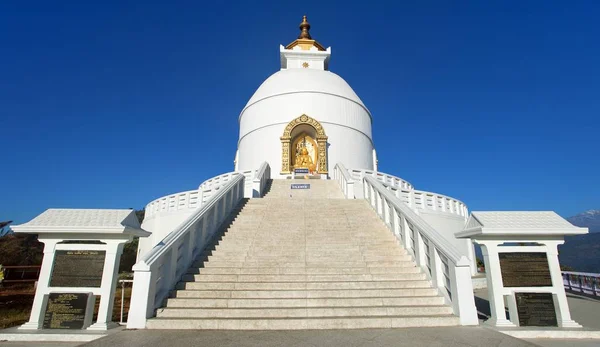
[{"x": 304, "y": 259}]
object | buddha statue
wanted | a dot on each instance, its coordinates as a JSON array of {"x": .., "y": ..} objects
[{"x": 303, "y": 160}]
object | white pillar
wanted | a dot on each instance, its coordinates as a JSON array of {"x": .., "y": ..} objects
[
  {"x": 494, "y": 280},
  {"x": 36, "y": 316}
]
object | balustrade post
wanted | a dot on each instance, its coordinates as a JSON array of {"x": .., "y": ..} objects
[
  {"x": 420, "y": 252},
  {"x": 143, "y": 293},
  {"x": 437, "y": 270},
  {"x": 463, "y": 300},
  {"x": 171, "y": 268},
  {"x": 386, "y": 212},
  {"x": 406, "y": 236},
  {"x": 380, "y": 204},
  {"x": 397, "y": 227}
]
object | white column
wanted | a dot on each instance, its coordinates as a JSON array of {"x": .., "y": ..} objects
[
  {"x": 36, "y": 316},
  {"x": 114, "y": 249},
  {"x": 563, "y": 314},
  {"x": 494, "y": 280}
]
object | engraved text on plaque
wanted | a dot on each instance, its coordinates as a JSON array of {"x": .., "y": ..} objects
[
  {"x": 65, "y": 311},
  {"x": 536, "y": 309},
  {"x": 77, "y": 269},
  {"x": 525, "y": 270}
]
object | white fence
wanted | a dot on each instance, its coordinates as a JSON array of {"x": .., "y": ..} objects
[
  {"x": 396, "y": 182},
  {"x": 193, "y": 199},
  {"x": 416, "y": 199},
  {"x": 420, "y": 200},
  {"x": 156, "y": 274},
  {"x": 582, "y": 282},
  {"x": 345, "y": 181},
  {"x": 447, "y": 269}
]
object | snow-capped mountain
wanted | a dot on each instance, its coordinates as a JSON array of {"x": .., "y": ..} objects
[
  {"x": 589, "y": 219},
  {"x": 582, "y": 252}
]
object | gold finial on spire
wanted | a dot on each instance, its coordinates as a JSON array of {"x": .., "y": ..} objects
[
  {"x": 304, "y": 40},
  {"x": 304, "y": 28}
]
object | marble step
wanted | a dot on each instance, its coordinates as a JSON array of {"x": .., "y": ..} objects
[
  {"x": 305, "y": 302},
  {"x": 276, "y": 263},
  {"x": 296, "y": 312},
  {"x": 312, "y": 293},
  {"x": 303, "y": 285},
  {"x": 410, "y": 268},
  {"x": 302, "y": 258},
  {"x": 302, "y": 278},
  {"x": 303, "y": 323}
]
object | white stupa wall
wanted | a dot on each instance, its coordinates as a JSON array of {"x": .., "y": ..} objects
[{"x": 346, "y": 123}]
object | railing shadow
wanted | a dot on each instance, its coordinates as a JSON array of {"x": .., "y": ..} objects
[
  {"x": 218, "y": 237},
  {"x": 268, "y": 187}
]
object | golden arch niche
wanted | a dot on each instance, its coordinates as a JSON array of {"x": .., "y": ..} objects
[{"x": 304, "y": 145}]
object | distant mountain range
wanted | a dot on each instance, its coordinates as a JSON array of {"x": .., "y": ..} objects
[
  {"x": 5, "y": 228},
  {"x": 589, "y": 219},
  {"x": 582, "y": 252}
]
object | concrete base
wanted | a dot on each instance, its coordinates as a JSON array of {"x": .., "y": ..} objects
[
  {"x": 550, "y": 333},
  {"x": 14, "y": 334},
  {"x": 479, "y": 281}
]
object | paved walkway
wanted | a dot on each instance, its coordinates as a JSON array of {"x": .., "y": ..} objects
[{"x": 443, "y": 337}]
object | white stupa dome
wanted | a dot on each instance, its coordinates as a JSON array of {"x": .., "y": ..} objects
[
  {"x": 305, "y": 92},
  {"x": 304, "y": 81}
]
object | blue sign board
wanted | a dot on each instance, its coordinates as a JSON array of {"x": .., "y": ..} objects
[
  {"x": 300, "y": 186},
  {"x": 301, "y": 171}
]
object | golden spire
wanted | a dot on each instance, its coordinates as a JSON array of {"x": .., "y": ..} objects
[
  {"x": 304, "y": 28},
  {"x": 304, "y": 40}
]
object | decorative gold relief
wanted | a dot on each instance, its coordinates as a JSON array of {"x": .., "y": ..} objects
[
  {"x": 305, "y": 151},
  {"x": 305, "y": 65}
]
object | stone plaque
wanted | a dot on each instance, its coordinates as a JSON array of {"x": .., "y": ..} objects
[
  {"x": 300, "y": 186},
  {"x": 77, "y": 269},
  {"x": 66, "y": 311},
  {"x": 525, "y": 270},
  {"x": 300, "y": 171},
  {"x": 536, "y": 309}
]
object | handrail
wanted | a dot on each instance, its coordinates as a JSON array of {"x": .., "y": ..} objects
[
  {"x": 192, "y": 199},
  {"x": 157, "y": 272},
  {"x": 450, "y": 272},
  {"x": 344, "y": 179},
  {"x": 417, "y": 199},
  {"x": 582, "y": 282},
  {"x": 428, "y": 201},
  {"x": 394, "y": 181},
  {"x": 259, "y": 182}
]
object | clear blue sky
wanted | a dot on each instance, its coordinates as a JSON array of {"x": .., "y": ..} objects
[{"x": 114, "y": 103}]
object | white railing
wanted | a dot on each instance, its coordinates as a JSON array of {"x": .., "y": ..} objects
[
  {"x": 417, "y": 199},
  {"x": 260, "y": 179},
  {"x": 396, "y": 182},
  {"x": 582, "y": 282},
  {"x": 193, "y": 199},
  {"x": 449, "y": 271},
  {"x": 421, "y": 200},
  {"x": 345, "y": 181},
  {"x": 163, "y": 266}
]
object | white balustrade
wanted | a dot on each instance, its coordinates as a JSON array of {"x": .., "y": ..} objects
[
  {"x": 416, "y": 199},
  {"x": 345, "y": 181},
  {"x": 193, "y": 199},
  {"x": 259, "y": 181},
  {"x": 397, "y": 182},
  {"x": 157, "y": 272},
  {"x": 448, "y": 270},
  {"x": 582, "y": 282},
  {"x": 421, "y": 200}
]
